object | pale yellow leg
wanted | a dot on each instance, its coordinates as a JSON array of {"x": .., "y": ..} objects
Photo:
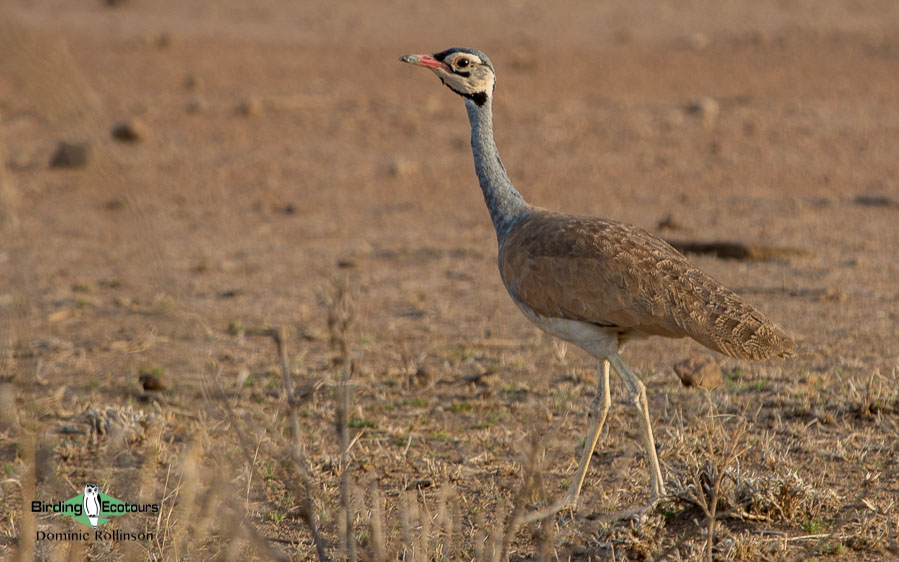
[
  {"x": 600, "y": 410},
  {"x": 637, "y": 391}
]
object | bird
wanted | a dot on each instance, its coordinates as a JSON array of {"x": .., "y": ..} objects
[
  {"x": 594, "y": 282},
  {"x": 91, "y": 503}
]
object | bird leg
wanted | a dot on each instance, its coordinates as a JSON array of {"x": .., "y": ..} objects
[
  {"x": 637, "y": 391},
  {"x": 599, "y": 408}
]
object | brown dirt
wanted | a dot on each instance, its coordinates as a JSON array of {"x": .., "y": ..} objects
[{"x": 283, "y": 146}]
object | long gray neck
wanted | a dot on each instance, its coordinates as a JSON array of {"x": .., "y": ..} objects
[{"x": 503, "y": 200}]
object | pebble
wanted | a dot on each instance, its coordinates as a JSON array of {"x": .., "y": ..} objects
[
  {"x": 705, "y": 107},
  {"x": 132, "y": 130},
  {"x": 71, "y": 155},
  {"x": 250, "y": 107},
  {"x": 699, "y": 370}
]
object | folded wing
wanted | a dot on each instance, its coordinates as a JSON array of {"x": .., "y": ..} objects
[{"x": 613, "y": 274}]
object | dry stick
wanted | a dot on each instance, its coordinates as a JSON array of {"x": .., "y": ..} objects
[
  {"x": 530, "y": 481},
  {"x": 711, "y": 515},
  {"x": 445, "y": 522},
  {"x": 308, "y": 511},
  {"x": 280, "y": 337},
  {"x": 378, "y": 542},
  {"x": 348, "y": 544},
  {"x": 235, "y": 513},
  {"x": 711, "y": 508},
  {"x": 340, "y": 316},
  {"x": 25, "y": 547}
]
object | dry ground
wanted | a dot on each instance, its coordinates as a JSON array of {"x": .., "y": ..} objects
[{"x": 288, "y": 148}]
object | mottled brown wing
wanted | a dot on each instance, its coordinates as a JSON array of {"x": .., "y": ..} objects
[{"x": 614, "y": 274}]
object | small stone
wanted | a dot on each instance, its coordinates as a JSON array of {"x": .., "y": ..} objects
[
  {"x": 114, "y": 204},
  {"x": 250, "y": 107},
  {"x": 197, "y": 104},
  {"x": 71, "y": 155},
  {"x": 115, "y": 3},
  {"x": 705, "y": 107},
  {"x": 132, "y": 130},
  {"x": 400, "y": 168},
  {"x": 164, "y": 41},
  {"x": 151, "y": 381},
  {"x": 874, "y": 201},
  {"x": 194, "y": 83},
  {"x": 699, "y": 370}
]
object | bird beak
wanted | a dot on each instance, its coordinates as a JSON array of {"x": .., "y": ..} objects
[{"x": 426, "y": 61}]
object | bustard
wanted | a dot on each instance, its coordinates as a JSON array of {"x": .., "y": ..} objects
[{"x": 595, "y": 282}]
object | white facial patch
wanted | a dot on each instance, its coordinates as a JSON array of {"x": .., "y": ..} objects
[{"x": 469, "y": 75}]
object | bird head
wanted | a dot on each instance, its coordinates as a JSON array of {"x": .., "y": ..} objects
[{"x": 468, "y": 72}]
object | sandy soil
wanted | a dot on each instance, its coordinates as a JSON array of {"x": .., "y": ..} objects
[{"x": 286, "y": 147}]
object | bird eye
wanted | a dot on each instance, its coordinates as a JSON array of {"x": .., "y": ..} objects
[{"x": 462, "y": 63}]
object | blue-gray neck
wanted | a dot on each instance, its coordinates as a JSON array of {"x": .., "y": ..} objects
[{"x": 503, "y": 201}]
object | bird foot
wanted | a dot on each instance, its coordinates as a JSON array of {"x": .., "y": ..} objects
[
  {"x": 636, "y": 513},
  {"x": 568, "y": 501}
]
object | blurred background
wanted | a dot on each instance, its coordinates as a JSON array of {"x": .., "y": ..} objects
[{"x": 179, "y": 177}]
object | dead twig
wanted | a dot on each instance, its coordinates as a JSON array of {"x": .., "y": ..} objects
[
  {"x": 340, "y": 316},
  {"x": 303, "y": 492},
  {"x": 297, "y": 453}
]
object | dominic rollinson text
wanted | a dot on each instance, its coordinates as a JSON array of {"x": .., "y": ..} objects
[{"x": 96, "y": 534}]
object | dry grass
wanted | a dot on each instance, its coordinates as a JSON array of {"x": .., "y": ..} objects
[{"x": 288, "y": 471}]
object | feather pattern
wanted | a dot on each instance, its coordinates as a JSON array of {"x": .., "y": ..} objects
[{"x": 613, "y": 274}]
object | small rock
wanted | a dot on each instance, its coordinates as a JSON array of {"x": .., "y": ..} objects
[
  {"x": 250, "y": 107},
  {"x": 874, "y": 201},
  {"x": 164, "y": 40},
  {"x": 132, "y": 130},
  {"x": 400, "y": 168},
  {"x": 194, "y": 83},
  {"x": 115, "y": 3},
  {"x": 197, "y": 104},
  {"x": 699, "y": 370},
  {"x": 71, "y": 155},
  {"x": 230, "y": 294},
  {"x": 114, "y": 204},
  {"x": 705, "y": 107},
  {"x": 151, "y": 381}
]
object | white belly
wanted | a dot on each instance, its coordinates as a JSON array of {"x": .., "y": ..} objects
[{"x": 597, "y": 341}]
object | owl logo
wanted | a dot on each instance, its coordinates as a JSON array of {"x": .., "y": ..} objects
[{"x": 92, "y": 503}]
